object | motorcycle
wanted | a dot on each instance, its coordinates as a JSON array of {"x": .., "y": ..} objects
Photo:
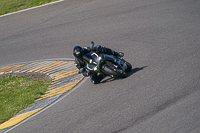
[{"x": 109, "y": 65}]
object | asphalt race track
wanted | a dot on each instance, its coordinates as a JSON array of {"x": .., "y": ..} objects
[{"x": 160, "y": 38}]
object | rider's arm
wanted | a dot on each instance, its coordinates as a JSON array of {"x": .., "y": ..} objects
[
  {"x": 86, "y": 50},
  {"x": 79, "y": 63},
  {"x": 98, "y": 48}
]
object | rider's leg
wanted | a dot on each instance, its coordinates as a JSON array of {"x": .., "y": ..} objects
[
  {"x": 112, "y": 52},
  {"x": 86, "y": 73},
  {"x": 95, "y": 79}
]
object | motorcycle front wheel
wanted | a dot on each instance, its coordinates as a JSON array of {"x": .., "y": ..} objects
[{"x": 109, "y": 70}]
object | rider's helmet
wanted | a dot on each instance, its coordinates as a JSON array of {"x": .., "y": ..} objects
[{"x": 78, "y": 51}]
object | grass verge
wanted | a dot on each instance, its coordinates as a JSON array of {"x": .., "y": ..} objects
[
  {"x": 17, "y": 93},
  {"x": 8, "y": 6}
]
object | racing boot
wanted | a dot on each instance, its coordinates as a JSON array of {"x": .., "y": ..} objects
[{"x": 120, "y": 54}]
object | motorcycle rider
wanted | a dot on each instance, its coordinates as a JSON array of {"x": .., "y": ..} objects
[{"x": 79, "y": 52}]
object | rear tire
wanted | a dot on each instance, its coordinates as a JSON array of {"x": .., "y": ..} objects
[{"x": 113, "y": 72}]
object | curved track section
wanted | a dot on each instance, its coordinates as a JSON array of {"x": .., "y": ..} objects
[
  {"x": 159, "y": 38},
  {"x": 64, "y": 77}
]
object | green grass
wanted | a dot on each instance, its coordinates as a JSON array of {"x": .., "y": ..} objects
[
  {"x": 8, "y": 6},
  {"x": 17, "y": 93}
]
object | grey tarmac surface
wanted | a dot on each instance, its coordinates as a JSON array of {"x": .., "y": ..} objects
[{"x": 160, "y": 38}]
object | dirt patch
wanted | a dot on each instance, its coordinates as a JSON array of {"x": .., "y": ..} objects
[{"x": 34, "y": 75}]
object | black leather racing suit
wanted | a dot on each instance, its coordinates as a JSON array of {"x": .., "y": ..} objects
[{"x": 80, "y": 64}]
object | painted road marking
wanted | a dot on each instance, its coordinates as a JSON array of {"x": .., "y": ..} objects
[
  {"x": 18, "y": 118},
  {"x": 30, "y": 66},
  {"x": 9, "y": 68},
  {"x": 59, "y": 90},
  {"x": 48, "y": 66},
  {"x": 64, "y": 76}
]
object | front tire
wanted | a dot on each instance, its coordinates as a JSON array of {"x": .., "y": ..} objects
[{"x": 108, "y": 70}]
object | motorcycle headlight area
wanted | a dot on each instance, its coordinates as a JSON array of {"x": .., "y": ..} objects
[
  {"x": 95, "y": 68},
  {"x": 100, "y": 58}
]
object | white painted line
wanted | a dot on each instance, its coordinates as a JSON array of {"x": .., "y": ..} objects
[{"x": 31, "y": 8}]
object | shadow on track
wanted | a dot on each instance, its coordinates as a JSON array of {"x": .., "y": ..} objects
[{"x": 134, "y": 70}]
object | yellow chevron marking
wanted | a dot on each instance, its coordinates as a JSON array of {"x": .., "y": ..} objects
[
  {"x": 52, "y": 92},
  {"x": 48, "y": 66},
  {"x": 18, "y": 118},
  {"x": 9, "y": 68},
  {"x": 64, "y": 74},
  {"x": 59, "y": 90}
]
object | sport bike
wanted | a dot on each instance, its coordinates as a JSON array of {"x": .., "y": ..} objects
[{"x": 109, "y": 65}]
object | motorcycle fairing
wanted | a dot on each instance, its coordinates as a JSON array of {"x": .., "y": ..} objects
[{"x": 91, "y": 59}]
